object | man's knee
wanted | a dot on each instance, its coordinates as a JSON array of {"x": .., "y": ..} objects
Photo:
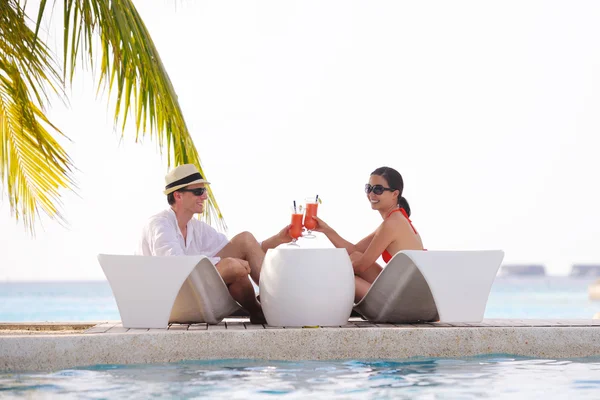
[{"x": 246, "y": 238}]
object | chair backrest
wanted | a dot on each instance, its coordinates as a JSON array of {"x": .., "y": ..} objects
[
  {"x": 426, "y": 285},
  {"x": 460, "y": 281},
  {"x": 400, "y": 294},
  {"x": 145, "y": 287}
]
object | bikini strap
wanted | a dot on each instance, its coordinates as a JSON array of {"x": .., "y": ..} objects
[
  {"x": 404, "y": 213},
  {"x": 397, "y": 210},
  {"x": 405, "y": 216}
]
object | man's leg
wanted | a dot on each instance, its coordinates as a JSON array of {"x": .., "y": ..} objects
[
  {"x": 243, "y": 292},
  {"x": 245, "y": 247},
  {"x": 235, "y": 276}
]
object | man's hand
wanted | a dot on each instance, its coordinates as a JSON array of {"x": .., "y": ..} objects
[
  {"x": 231, "y": 269},
  {"x": 284, "y": 235}
]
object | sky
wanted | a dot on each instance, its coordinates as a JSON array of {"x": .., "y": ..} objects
[{"x": 489, "y": 110}]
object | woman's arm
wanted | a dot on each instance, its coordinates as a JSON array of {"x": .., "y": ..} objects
[
  {"x": 382, "y": 237},
  {"x": 339, "y": 241},
  {"x": 363, "y": 245}
]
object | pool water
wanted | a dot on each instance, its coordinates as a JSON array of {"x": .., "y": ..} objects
[{"x": 489, "y": 376}]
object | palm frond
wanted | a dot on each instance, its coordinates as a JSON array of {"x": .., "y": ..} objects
[
  {"x": 132, "y": 70},
  {"x": 33, "y": 165}
]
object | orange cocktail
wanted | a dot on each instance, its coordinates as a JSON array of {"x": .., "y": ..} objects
[
  {"x": 311, "y": 211},
  {"x": 295, "y": 230},
  {"x": 296, "y": 227}
]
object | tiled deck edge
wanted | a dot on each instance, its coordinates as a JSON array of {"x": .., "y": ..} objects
[{"x": 53, "y": 352}]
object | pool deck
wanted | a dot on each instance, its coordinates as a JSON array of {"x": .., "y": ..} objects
[{"x": 54, "y": 346}]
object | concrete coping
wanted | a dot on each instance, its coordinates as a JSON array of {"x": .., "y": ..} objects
[{"x": 110, "y": 343}]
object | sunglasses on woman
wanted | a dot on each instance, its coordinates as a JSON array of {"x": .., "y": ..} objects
[
  {"x": 196, "y": 192},
  {"x": 377, "y": 189}
]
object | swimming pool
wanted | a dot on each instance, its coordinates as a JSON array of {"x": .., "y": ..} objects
[{"x": 491, "y": 376}]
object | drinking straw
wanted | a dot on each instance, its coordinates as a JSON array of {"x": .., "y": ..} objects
[
  {"x": 317, "y": 199},
  {"x": 295, "y": 207}
]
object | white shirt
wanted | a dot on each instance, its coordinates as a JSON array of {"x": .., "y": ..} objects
[{"x": 162, "y": 237}]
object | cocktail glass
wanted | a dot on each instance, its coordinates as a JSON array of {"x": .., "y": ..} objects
[
  {"x": 296, "y": 225},
  {"x": 310, "y": 212}
]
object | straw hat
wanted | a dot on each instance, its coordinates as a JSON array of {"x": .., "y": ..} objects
[{"x": 182, "y": 176}]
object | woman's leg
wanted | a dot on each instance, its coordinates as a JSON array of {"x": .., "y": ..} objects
[
  {"x": 371, "y": 273},
  {"x": 363, "y": 280},
  {"x": 361, "y": 287}
]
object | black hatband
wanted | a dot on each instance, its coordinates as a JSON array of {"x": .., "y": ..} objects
[{"x": 190, "y": 178}]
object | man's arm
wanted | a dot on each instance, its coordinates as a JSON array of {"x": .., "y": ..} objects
[
  {"x": 163, "y": 240},
  {"x": 281, "y": 237}
]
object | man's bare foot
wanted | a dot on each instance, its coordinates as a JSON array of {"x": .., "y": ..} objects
[{"x": 257, "y": 317}]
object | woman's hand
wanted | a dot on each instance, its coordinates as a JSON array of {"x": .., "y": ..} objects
[{"x": 321, "y": 226}]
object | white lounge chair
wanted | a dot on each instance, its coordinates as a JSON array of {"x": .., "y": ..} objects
[
  {"x": 153, "y": 291},
  {"x": 422, "y": 286}
]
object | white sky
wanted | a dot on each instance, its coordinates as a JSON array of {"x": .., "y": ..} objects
[{"x": 490, "y": 110}]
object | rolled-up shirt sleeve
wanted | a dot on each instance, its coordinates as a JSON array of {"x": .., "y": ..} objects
[
  {"x": 161, "y": 237},
  {"x": 164, "y": 239},
  {"x": 166, "y": 243},
  {"x": 214, "y": 239}
]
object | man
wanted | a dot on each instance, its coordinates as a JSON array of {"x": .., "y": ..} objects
[{"x": 174, "y": 232}]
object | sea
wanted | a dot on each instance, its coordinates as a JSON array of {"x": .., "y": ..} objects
[
  {"x": 516, "y": 297},
  {"x": 502, "y": 376}
]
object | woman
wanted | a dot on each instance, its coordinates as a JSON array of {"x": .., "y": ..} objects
[{"x": 395, "y": 233}]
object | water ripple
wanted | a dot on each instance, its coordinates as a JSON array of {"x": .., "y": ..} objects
[{"x": 497, "y": 376}]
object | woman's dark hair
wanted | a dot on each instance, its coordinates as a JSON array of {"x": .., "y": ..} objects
[{"x": 395, "y": 181}]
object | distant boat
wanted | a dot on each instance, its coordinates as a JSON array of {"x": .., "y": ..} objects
[
  {"x": 585, "y": 270},
  {"x": 523, "y": 270}
]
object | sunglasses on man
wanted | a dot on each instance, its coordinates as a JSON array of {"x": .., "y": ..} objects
[
  {"x": 377, "y": 189},
  {"x": 196, "y": 192}
]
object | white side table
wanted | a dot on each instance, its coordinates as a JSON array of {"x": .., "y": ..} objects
[{"x": 307, "y": 287}]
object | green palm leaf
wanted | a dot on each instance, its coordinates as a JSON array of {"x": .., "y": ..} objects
[
  {"x": 33, "y": 165},
  {"x": 130, "y": 67}
]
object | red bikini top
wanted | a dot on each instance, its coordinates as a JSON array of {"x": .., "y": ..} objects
[{"x": 386, "y": 255}]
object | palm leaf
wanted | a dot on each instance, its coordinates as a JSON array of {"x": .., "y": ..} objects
[
  {"x": 33, "y": 165},
  {"x": 34, "y": 168},
  {"x": 131, "y": 68}
]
